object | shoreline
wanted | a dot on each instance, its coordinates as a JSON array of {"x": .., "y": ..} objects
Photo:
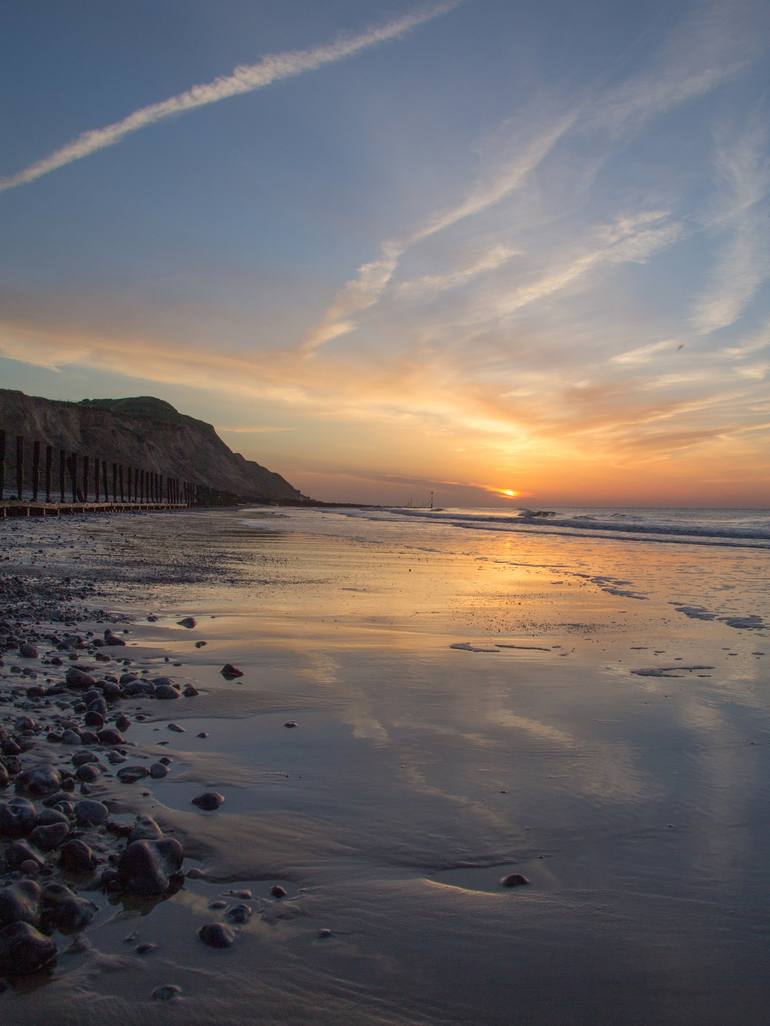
[{"x": 543, "y": 721}]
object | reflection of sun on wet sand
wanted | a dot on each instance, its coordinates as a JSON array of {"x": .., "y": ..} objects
[{"x": 298, "y": 793}]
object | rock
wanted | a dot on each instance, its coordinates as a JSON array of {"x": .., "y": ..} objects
[
  {"x": 167, "y": 992},
  {"x": 291, "y": 723},
  {"x": 166, "y": 691},
  {"x": 91, "y": 813},
  {"x": 19, "y": 852},
  {"x": 145, "y": 948},
  {"x": 175, "y": 728},
  {"x": 64, "y": 911},
  {"x": 187, "y": 621},
  {"x": 324, "y": 932},
  {"x": 145, "y": 829},
  {"x": 199, "y": 644},
  {"x": 122, "y": 722},
  {"x": 71, "y": 737},
  {"x": 209, "y": 800},
  {"x": 110, "y": 736},
  {"x": 38, "y": 781},
  {"x": 88, "y": 773},
  {"x": 217, "y": 935},
  {"x": 130, "y": 774},
  {"x": 27, "y": 651},
  {"x": 513, "y": 880},
  {"x": 78, "y": 678},
  {"x": 230, "y": 672},
  {"x": 151, "y": 867},
  {"x": 93, "y": 718},
  {"x": 79, "y": 758},
  {"x": 112, "y": 639},
  {"x": 50, "y": 837},
  {"x": 24, "y": 950},
  {"x": 190, "y": 691},
  {"x": 158, "y": 771},
  {"x": 277, "y": 891},
  {"x": 20, "y": 903},
  {"x": 17, "y": 817},
  {"x": 240, "y": 913},
  {"x": 77, "y": 857}
]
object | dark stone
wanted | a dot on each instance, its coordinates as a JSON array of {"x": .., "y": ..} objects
[
  {"x": 88, "y": 773},
  {"x": 79, "y": 678},
  {"x": 38, "y": 781},
  {"x": 187, "y": 621},
  {"x": 145, "y": 829},
  {"x": 20, "y": 902},
  {"x": 277, "y": 891},
  {"x": 240, "y": 913},
  {"x": 111, "y": 736},
  {"x": 17, "y": 817},
  {"x": 151, "y": 867},
  {"x": 27, "y": 651},
  {"x": 158, "y": 771},
  {"x": 209, "y": 800},
  {"x": 112, "y": 639},
  {"x": 50, "y": 837},
  {"x": 217, "y": 935},
  {"x": 513, "y": 880},
  {"x": 19, "y": 852},
  {"x": 230, "y": 672},
  {"x": 77, "y": 857},
  {"x": 91, "y": 813},
  {"x": 166, "y": 691},
  {"x": 167, "y": 992},
  {"x": 130, "y": 774},
  {"x": 24, "y": 950},
  {"x": 62, "y": 910}
]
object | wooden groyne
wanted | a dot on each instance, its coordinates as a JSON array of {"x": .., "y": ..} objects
[{"x": 50, "y": 481}]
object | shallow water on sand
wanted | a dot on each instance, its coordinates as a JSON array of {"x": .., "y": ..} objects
[{"x": 593, "y": 713}]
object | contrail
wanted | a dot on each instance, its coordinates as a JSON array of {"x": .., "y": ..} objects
[{"x": 244, "y": 79}]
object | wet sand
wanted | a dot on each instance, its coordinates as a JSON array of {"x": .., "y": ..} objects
[{"x": 593, "y": 715}]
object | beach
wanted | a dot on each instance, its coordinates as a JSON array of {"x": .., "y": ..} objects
[{"x": 425, "y": 708}]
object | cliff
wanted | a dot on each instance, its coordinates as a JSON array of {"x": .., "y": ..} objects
[{"x": 142, "y": 432}]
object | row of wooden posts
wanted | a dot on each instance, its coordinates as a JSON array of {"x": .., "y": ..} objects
[{"x": 79, "y": 477}]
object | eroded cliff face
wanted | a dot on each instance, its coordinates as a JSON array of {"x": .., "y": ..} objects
[{"x": 143, "y": 432}]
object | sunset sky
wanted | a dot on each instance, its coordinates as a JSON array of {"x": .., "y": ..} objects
[{"x": 387, "y": 248}]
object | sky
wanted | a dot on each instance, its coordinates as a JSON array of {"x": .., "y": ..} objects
[{"x": 476, "y": 247}]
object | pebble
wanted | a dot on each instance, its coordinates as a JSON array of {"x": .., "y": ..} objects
[
  {"x": 277, "y": 891},
  {"x": 291, "y": 723},
  {"x": 513, "y": 880},
  {"x": 24, "y": 950},
  {"x": 209, "y": 800},
  {"x": 150, "y": 867},
  {"x": 230, "y": 672},
  {"x": 167, "y": 992},
  {"x": 217, "y": 935},
  {"x": 187, "y": 621}
]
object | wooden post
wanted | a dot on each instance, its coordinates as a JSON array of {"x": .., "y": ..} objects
[
  {"x": 96, "y": 478},
  {"x": 62, "y": 462},
  {"x": 104, "y": 481},
  {"x": 35, "y": 470},
  {"x": 48, "y": 468},
  {"x": 114, "y": 482},
  {"x": 85, "y": 479},
  {"x": 73, "y": 468},
  {"x": 128, "y": 483},
  {"x": 120, "y": 479},
  {"x": 19, "y": 465},
  {"x": 2, "y": 464}
]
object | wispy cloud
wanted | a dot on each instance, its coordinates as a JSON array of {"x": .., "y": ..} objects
[
  {"x": 372, "y": 279},
  {"x": 244, "y": 79},
  {"x": 742, "y": 170}
]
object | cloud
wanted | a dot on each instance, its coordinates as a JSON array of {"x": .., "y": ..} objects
[
  {"x": 244, "y": 79},
  {"x": 644, "y": 354},
  {"x": 372, "y": 279},
  {"x": 742, "y": 265},
  {"x": 430, "y": 284}
]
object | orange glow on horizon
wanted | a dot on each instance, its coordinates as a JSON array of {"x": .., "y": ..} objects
[{"x": 507, "y": 493}]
